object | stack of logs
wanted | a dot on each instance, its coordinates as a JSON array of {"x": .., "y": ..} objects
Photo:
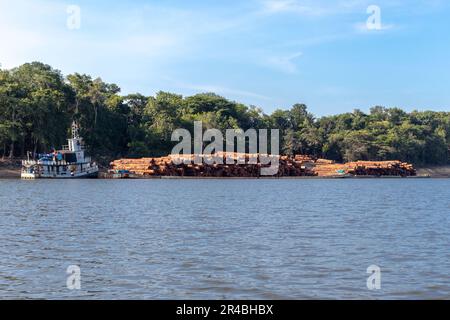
[
  {"x": 233, "y": 165},
  {"x": 328, "y": 168},
  {"x": 250, "y": 165},
  {"x": 385, "y": 168}
]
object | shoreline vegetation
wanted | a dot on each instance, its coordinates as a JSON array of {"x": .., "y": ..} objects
[{"x": 38, "y": 103}]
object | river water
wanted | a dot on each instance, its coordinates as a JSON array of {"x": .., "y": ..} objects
[{"x": 225, "y": 239}]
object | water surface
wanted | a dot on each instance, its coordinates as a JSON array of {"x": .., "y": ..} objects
[{"x": 230, "y": 239}]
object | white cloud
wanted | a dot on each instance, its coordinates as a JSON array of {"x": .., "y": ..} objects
[
  {"x": 313, "y": 8},
  {"x": 290, "y": 6},
  {"x": 229, "y": 91},
  {"x": 219, "y": 89},
  {"x": 284, "y": 63},
  {"x": 36, "y": 30},
  {"x": 18, "y": 38}
]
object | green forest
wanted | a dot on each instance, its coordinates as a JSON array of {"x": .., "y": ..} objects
[{"x": 38, "y": 103}]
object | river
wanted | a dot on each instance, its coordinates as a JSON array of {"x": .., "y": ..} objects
[{"x": 225, "y": 239}]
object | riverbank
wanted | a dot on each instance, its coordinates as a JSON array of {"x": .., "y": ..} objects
[
  {"x": 434, "y": 172},
  {"x": 9, "y": 169},
  {"x": 9, "y": 173},
  {"x": 12, "y": 171}
]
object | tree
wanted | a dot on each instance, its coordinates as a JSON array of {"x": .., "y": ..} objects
[
  {"x": 9, "y": 93},
  {"x": 358, "y": 145},
  {"x": 37, "y": 105}
]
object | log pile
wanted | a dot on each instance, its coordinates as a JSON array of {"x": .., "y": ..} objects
[
  {"x": 304, "y": 158},
  {"x": 243, "y": 165},
  {"x": 364, "y": 168},
  {"x": 250, "y": 165},
  {"x": 330, "y": 170},
  {"x": 382, "y": 168}
]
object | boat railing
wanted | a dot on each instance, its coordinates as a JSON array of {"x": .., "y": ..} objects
[
  {"x": 46, "y": 163},
  {"x": 67, "y": 148}
]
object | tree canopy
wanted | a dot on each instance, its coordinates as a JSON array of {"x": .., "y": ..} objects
[{"x": 37, "y": 105}]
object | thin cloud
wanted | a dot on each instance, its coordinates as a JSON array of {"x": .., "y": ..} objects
[
  {"x": 222, "y": 90},
  {"x": 316, "y": 8},
  {"x": 285, "y": 64},
  {"x": 270, "y": 7},
  {"x": 227, "y": 91},
  {"x": 290, "y": 6}
]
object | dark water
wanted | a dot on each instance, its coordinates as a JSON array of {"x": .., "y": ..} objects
[{"x": 233, "y": 239}]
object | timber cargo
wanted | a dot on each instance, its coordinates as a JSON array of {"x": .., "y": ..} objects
[
  {"x": 366, "y": 168},
  {"x": 217, "y": 165},
  {"x": 249, "y": 165}
]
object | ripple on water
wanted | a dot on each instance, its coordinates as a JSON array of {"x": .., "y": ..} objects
[{"x": 232, "y": 239}]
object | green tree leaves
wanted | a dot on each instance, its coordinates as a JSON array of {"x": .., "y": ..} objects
[{"x": 37, "y": 105}]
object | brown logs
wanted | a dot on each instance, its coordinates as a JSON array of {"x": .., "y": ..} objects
[
  {"x": 365, "y": 168},
  {"x": 381, "y": 168},
  {"x": 250, "y": 165},
  {"x": 233, "y": 165}
]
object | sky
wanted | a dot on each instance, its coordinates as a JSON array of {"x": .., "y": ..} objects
[{"x": 334, "y": 56}]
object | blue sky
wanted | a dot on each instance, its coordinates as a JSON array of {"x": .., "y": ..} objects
[{"x": 269, "y": 53}]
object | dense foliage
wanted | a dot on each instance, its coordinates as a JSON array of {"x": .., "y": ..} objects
[{"x": 37, "y": 105}]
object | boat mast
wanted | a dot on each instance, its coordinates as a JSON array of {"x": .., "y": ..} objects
[{"x": 76, "y": 141}]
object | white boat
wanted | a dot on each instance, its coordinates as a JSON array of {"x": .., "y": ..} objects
[{"x": 69, "y": 163}]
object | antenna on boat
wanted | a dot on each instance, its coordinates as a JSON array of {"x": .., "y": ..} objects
[
  {"x": 75, "y": 130},
  {"x": 75, "y": 142}
]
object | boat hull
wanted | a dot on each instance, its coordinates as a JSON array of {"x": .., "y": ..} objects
[{"x": 81, "y": 175}]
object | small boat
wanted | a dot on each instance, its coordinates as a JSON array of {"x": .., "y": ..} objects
[{"x": 69, "y": 163}]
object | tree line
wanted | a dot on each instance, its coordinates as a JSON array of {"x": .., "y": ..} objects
[{"x": 38, "y": 103}]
